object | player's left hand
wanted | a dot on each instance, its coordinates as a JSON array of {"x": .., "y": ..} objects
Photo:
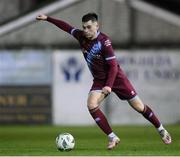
[
  {"x": 106, "y": 90},
  {"x": 41, "y": 17}
]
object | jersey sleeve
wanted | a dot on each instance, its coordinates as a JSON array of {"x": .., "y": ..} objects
[
  {"x": 111, "y": 61},
  {"x": 76, "y": 33},
  {"x": 66, "y": 27}
]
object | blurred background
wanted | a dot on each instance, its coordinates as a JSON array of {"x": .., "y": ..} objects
[{"x": 44, "y": 78}]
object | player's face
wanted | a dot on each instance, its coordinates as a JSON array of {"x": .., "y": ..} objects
[{"x": 90, "y": 29}]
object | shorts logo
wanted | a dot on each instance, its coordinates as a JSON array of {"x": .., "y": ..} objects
[{"x": 132, "y": 92}]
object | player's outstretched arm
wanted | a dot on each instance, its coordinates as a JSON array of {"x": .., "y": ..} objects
[
  {"x": 41, "y": 17},
  {"x": 59, "y": 23}
]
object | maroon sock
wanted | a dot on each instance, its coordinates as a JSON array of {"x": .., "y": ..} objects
[
  {"x": 101, "y": 120},
  {"x": 149, "y": 115}
]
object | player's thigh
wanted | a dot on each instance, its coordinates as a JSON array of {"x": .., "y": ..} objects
[
  {"x": 136, "y": 103},
  {"x": 94, "y": 99},
  {"x": 124, "y": 89}
]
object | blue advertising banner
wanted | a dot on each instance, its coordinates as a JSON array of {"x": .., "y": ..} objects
[{"x": 25, "y": 67}]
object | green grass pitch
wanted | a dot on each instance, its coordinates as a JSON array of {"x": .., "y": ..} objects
[{"x": 90, "y": 141}]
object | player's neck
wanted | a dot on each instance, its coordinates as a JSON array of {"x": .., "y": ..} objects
[{"x": 95, "y": 36}]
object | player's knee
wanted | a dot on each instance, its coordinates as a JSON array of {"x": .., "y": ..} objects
[
  {"x": 137, "y": 104},
  {"x": 139, "y": 108},
  {"x": 92, "y": 105}
]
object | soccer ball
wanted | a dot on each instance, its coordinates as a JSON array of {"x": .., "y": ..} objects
[{"x": 65, "y": 142}]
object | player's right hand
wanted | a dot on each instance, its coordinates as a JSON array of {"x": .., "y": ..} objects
[
  {"x": 106, "y": 90},
  {"x": 41, "y": 17}
]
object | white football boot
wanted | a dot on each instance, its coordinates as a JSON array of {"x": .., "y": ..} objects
[
  {"x": 165, "y": 136},
  {"x": 113, "y": 142}
]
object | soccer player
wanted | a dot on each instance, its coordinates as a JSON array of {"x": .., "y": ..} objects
[{"x": 108, "y": 76}]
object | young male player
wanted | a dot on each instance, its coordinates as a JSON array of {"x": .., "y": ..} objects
[{"x": 107, "y": 74}]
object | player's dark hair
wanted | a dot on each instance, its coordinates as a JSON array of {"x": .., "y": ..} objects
[{"x": 90, "y": 16}]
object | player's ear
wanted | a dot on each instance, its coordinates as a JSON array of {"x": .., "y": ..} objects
[{"x": 97, "y": 25}]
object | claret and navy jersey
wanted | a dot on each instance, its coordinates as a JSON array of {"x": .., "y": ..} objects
[
  {"x": 99, "y": 56},
  {"x": 101, "y": 60}
]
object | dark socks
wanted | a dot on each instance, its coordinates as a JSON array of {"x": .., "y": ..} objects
[
  {"x": 101, "y": 120},
  {"x": 149, "y": 115}
]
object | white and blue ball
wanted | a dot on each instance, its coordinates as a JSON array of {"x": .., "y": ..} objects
[{"x": 65, "y": 142}]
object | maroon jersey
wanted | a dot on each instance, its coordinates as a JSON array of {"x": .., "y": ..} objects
[
  {"x": 99, "y": 56},
  {"x": 100, "y": 59}
]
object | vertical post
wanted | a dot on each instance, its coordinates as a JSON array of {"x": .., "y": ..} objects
[{"x": 132, "y": 24}]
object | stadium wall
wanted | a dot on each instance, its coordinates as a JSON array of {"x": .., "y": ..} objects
[
  {"x": 25, "y": 87},
  {"x": 52, "y": 86},
  {"x": 154, "y": 73},
  {"x": 10, "y": 9}
]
